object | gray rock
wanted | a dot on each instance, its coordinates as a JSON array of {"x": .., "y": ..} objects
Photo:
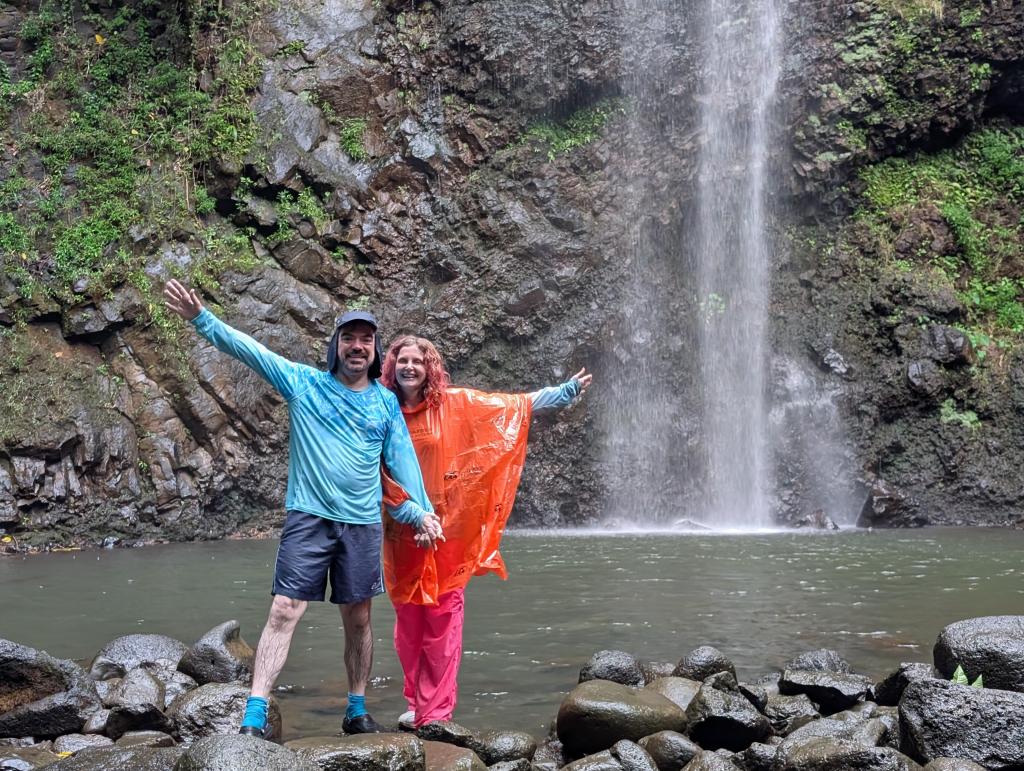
[
  {"x": 240, "y": 753},
  {"x": 441, "y": 756},
  {"x": 992, "y": 646},
  {"x": 120, "y": 759},
  {"x": 953, "y": 764},
  {"x": 175, "y": 683},
  {"x": 703, "y": 662},
  {"x": 822, "y": 753},
  {"x": 820, "y": 660},
  {"x": 632, "y": 756},
  {"x": 216, "y": 708},
  {"x": 868, "y": 733},
  {"x": 678, "y": 690},
  {"x": 652, "y": 670},
  {"x": 941, "y": 719},
  {"x": 598, "y": 761},
  {"x": 499, "y": 746},
  {"x": 757, "y": 757},
  {"x": 136, "y": 704},
  {"x": 25, "y": 758},
  {"x": 75, "y": 742},
  {"x": 42, "y": 696},
  {"x": 366, "y": 752},
  {"x": 670, "y": 750},
  {"x": 890, "y": 688},
  {"x": 598, "y": 713},
  {"x": 550, "y": 753},
  {"x": 119, "y": 656},
  {"x": 711, "y": 761},
  {"x": 617, "y": 666},
  {"x": 832, "y": 691},
  {"x": 787, "y": 713},
  {"x": 725, "y": 719},
  {"x": 219, "y": 656},
  {"x": 947, "y": 345},
  {"x": 445, "y": 731},
  {"x": 512, "y": 765},
  {"x": 106, "y": 687},
  {"x": 97, "y": 722},
  {"x": 146, "y": 739}
]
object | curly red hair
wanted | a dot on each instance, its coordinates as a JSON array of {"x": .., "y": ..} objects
[{"x": 437, "y": 377}]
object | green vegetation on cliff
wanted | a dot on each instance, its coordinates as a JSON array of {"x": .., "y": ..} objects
[
  {"x": 960, "y": 215},
  {"x": 111, "y": 127}
]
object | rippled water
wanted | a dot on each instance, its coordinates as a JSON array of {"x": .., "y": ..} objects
[{"x": 879, "y": 598}]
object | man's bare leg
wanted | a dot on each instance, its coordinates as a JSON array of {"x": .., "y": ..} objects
[
  {"x": 276, "y": 639},
  {"x": 358, "y": 645}
]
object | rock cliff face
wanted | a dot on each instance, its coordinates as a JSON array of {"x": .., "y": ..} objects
[{"x": 472, "y": 172}]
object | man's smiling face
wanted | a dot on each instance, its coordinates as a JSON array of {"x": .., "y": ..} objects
[{"x": 356, "y": 348}]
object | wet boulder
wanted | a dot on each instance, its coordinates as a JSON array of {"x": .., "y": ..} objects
[
  {"x": 711, "y": 761},
  {"x": 123, "y": 654},
  {"x": 121, "y": 758},
  {"x": 832, "y": 691},
  {"x": 366, "y": 752},
  {"x": 75, "y": 742},
  {"x": 757, "y": 757},
  {"x": 598, "y": 713},
  {"x": 820, "y": 660},
  {"x": 867, "y": 733},
  {"x": 441, "y": 756},
  {"x": 500, "y": 746},
  {"x": 240, "y": 753},
  {"x": 97, "y": 722},
  {"x": 136, "y": 704},
  {"x": 670, "y": 750},
  {"x": 512, "y": 765},
  {"x": 953, "y": 764},
  {"x": 821, "y": 753},
  {"x": 42, "y": 696},
  {"x": 598, "y": 761},
  {"x": 992, "y": 646},
  {"x": 787, "y": 713},
  {"x": 446, "y": 731},
  {"x": 724, "y": 718},
  {"x": 652, "y": 670},
  {"x": 25, "y": 758},
  {"x": 703, "y": 662},
  {"x": 947, "y": 345},
  {"x": 632, "y": 757},
  {"x": 175, "y": 683},
  {"x": 219, "y": 656},
  {"x": 942, "y": 719},
  {"x": 891, "y": 687},
  {"x": 616, "y": 666},
  {"x": 216, "y": 708},
  {"x": 679, "y": 690},
  {"x": 146, "y": 739}
]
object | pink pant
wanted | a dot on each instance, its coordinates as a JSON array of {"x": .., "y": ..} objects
[{"x": 428, "y": 639}]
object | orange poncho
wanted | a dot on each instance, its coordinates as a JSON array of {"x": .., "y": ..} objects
[{"x": 471, "y": 451}]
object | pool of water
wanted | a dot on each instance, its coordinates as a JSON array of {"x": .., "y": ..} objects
[{"x": 879, "y": 598}]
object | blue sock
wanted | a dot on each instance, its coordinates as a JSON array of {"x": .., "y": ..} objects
[
  {"x": 255, "y": 713},
  {"x": 356, "y": 706}
]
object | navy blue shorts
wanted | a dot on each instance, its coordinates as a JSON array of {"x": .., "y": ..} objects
[{"x": 314, "y": 549}]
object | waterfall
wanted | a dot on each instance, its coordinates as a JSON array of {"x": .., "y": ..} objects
[
  {"x": 687, "y": 421},
  {"x": 741, "y": 53}
]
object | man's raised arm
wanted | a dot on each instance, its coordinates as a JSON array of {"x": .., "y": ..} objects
[{"x": 275, "y": 369}]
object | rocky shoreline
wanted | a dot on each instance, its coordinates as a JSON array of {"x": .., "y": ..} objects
[{"x": 151, "y": 702}]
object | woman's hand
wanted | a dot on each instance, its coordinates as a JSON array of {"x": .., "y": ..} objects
[
  {"x": 583, "y": 379},
  {"x": 184, "y": 302},
  {"x": 430, "y": 532}
]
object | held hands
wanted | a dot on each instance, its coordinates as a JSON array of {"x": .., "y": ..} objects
[
  {"x": 583, "y": 379},
  {"x": 184, "y": 302},
  {"x": 430, "y": 532}
]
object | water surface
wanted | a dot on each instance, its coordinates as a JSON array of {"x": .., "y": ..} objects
[{"x": 878, "y": 597}]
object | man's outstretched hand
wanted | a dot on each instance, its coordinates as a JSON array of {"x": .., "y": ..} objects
[
  {"x": 182, "y": 301},
  {"x": 430, "y": 532}
]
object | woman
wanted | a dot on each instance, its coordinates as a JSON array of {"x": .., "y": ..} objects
[{"x": 471, "y": 446}]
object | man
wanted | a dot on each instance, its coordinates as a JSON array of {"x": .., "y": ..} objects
[{"x": 342, "y": 424}]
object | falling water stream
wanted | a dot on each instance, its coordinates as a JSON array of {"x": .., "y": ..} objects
[{"x": 741, "y": 57}]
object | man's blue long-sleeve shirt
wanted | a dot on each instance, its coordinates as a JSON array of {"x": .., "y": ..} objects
[{"x": 338, "y": 436}]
